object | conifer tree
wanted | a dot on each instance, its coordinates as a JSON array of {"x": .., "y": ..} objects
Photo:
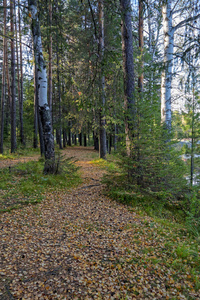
[{"x": 128, "y": 71}]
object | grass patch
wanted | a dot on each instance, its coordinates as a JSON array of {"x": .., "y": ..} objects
[
  {"x": 20, "y": 152},
  {"x": 25, "y": 183},
  {"x": 107, "y": 164}
]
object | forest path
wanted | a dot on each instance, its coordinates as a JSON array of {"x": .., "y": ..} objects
[{"x": 79, "y": 244}]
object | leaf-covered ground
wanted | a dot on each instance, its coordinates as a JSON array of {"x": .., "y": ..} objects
[{"x": 79, "y": 244}]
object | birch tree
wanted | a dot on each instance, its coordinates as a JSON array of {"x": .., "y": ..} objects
[
  {"x": 50, "y": 90},
  {"x": 42, "y": 89},
  {"x": 166, "y": 78}
]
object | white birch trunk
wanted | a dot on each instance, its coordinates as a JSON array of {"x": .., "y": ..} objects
[
  {"x": 50, "y": 62},
  {"x": 166, "y": 78},
  {"x": 39, "y": 60},
  {"x": 42, "y": 90}
]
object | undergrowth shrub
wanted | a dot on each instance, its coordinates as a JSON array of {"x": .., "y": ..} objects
[
  {"x": 153, "y": 179},
  {"x": 193, "y": 214}
]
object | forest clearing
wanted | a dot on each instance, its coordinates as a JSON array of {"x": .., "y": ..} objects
[{"x": 79, "y": 244}]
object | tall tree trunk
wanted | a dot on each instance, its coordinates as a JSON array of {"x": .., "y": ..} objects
[
  {"x": 64, "y": 137},
  {"x": 3, "y": 95},
  {"x": 35, "y": 133},
  {"x": 102, "y": 129},
  {"x": 166, "y": 78},
  {"x": 128, "y": 71},
  {"x": 17, "y": 62},
  {"x": 141, "y": 46},
  {"x": 75, "y": 139},
  {"x": 85, "y": 140},
  {"x": 110, "y": 143},
  {"x": 80, "y": 138},
  {"x": 69, "y": 134},
  {"x": 96, "y": 141},
  {"x": 37, "y": 113},
  {"x": 59, "y": 100},
  {"x": 42, "y": 91},
  {"x": 58, "y": 81},
  {"x": 50, "y": 60},
  {"x": 140, "y": 90},
  {"x": 115, "y": 137},
  {"x": 13, "y": 87},
  {"x": 22, "y": 138}
]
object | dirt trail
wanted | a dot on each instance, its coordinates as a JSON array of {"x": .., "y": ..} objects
[{"x": 82, "y": 245}]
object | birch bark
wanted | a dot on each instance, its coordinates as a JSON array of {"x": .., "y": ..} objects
[
  {"x": 42, "y": 90},
  {"x": 50, "y": 61},
  {"x": 35, "y": 135},
  {"x": 166, "y": 78}
]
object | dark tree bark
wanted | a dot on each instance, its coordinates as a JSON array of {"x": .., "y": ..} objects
[
  {"x": 13, "y": 81},
  {"x": 115, "y": 138},
  {"x": 64, "y": 138},
  {"x": 58, "y": 82},
  {"x": 37, "y": 113},
  {"x": 96, "y": 141},
  {"x": 80, "y": 138},
  {"x": 22, "y": 138},
  {"x": 3, "y": 94},
  {"x": 141, "y": 46},
  {"x": 128, "y": 71},
  {"x": 85, "y": 140},
  {"x": 110, "y": 144},
  {"x": 75, "y": 139},
  {"x": 140, "y": 89},
  {"x": 102, "y": 129},
  {"x": 69, "y": 134}
]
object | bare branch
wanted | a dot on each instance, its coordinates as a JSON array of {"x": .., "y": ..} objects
[{"x": 182, "y": 23}]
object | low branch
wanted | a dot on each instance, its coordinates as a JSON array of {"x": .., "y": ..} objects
[{"x": 182, "y": 23}]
